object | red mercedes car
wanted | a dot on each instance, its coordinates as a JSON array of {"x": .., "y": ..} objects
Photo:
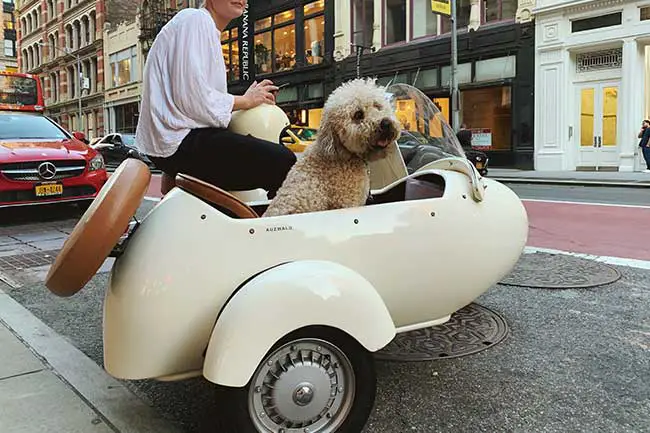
[{"x": 40, "y": 162}]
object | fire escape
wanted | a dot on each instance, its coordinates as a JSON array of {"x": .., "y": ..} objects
[{"x": 153, "y": 16}]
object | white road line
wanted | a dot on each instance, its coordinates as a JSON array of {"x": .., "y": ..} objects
[
  {"x": 121, "y": 407},
  {"x": 586, "y": 203},
  {"x": 617, "y": 261}
]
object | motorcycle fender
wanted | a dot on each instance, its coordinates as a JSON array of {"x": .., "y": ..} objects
[{"x": 284, "y": 299}]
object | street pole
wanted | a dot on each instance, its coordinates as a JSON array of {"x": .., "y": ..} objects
[
  {"x": 455, "y": 112},
  {"x": 80, "y": 77}
]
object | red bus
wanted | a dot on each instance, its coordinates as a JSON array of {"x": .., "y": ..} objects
[{"x": 21, "y": 92}]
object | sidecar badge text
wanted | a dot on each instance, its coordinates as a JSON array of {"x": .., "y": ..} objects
[{"x": 279, "y": 229}]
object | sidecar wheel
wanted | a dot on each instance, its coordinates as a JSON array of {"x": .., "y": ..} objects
[{"x": 318, "y": 380}]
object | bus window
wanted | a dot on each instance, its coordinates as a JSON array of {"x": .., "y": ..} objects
[{"x": 20, "y": 92}]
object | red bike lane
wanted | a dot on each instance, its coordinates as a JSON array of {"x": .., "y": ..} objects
[{"x": 603, "y": 230}]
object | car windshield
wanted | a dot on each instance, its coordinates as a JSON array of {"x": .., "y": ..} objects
[
  {"x": 19, "y": 126},
  {"x": 128, "y": 140},
  {"x": 308, "y": 134}
]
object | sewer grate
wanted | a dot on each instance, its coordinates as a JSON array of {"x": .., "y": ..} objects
[
  {"x": 26, "y": 261},
  {"x": 559, "y": 271},
  {"x": 470, "y": 330}
]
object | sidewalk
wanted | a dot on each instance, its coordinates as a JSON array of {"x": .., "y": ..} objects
[
  {"x": 593, "y": 178},
  {"x": 47, "y": 385}
]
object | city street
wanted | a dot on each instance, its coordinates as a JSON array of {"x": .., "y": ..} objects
[{"x": 574, "y": 359}]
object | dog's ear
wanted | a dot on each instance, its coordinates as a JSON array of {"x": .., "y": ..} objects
[{"x": 330, "y": 140}]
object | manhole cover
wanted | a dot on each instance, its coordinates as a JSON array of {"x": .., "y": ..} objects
[
  {"x": 559, "y": 271},
  {"x": 26, "y": 261},
  {"x": 470, "y": 330}
]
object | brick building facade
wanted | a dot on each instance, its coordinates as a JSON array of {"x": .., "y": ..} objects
[{"x": 62, "y": 42}]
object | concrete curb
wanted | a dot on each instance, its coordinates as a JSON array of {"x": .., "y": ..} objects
[
  {"x": 123, "y": 410},
  {"x": 578, "y": 182}
]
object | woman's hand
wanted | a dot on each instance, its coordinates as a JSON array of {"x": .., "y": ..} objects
[{"x": 258, "y": 94}]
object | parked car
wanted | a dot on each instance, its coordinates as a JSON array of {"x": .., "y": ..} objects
[
  {"x": 419, "y": 150},
  {"x": 115, "y": 148},
  {"x": 297, "y": 138},
  {"x": 40, "y": 162}
]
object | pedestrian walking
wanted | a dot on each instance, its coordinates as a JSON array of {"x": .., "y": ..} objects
[
  {"x": 186, "y": 107},
  {"x": 644, "y": 143}
]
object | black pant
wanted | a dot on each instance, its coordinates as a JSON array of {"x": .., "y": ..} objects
[
  {"x": 229, "y": 161},
  {"x": 646, "y": 155}
]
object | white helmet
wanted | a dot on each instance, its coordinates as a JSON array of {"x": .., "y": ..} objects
[{"x": 266, "y": 122}]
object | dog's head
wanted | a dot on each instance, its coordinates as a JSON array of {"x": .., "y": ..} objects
[{"x": 358, "y": 120}]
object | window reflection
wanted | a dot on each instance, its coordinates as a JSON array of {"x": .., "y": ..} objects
[
  {"x": 394, "y": 21},
  {"x": 285, "y": 47},
  {"x": 276, "y": 45},
  {"x": 314, "y": 7},
  {"x": 314, "y": 40},
  {"x": 263, "y": 49},
  {"x": 230, "y": 49},
  {"x": 363, "y": 17}
]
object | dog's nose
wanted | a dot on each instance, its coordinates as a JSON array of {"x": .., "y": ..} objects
[{"x": 385, "y": 125}]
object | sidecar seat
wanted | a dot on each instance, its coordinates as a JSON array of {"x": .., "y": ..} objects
[{"x": 221, "y": 199}]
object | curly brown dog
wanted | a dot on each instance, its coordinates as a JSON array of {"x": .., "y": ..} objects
[{"x": 357, "y": 127}]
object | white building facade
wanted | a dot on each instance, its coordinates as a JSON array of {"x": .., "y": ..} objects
[
  {"x": 591, "y": 84},
  {"x": 123, "y": 63}
]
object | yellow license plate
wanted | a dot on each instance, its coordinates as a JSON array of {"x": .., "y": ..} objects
[{"x": 49, "y": 190}]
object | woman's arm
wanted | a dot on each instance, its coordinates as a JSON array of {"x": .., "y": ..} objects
[{"x": 190, "y": 66}]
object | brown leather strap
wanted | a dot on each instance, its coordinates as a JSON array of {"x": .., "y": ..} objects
[{"x": 214, "y": 195}]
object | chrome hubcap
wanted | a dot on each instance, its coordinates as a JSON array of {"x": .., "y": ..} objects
[
  {"x": 304, "y": 394},
  {"x": 304, "y": 386}
]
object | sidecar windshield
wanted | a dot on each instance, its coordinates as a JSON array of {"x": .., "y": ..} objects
[{"x": 422, "y": 121}]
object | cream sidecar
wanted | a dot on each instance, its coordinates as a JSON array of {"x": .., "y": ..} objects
[{"x": 284, "y": 313}]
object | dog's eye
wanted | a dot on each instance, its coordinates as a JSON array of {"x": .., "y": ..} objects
[
  {"x": 358, "y": 115},
  {"x": 378, "y": 106}
]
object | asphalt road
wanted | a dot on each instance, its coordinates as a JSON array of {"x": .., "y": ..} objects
[
  {"x": 583, "y": 194},
  {"x": 575, "y": 360}
]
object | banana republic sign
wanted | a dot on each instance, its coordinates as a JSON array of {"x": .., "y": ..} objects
[{"x": 244, "y": 49}]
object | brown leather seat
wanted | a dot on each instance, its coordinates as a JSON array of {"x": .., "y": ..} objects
[{"x": 215, "y": 196}]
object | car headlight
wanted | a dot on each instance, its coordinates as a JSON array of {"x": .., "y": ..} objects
[{"x": 97, "y": 163}]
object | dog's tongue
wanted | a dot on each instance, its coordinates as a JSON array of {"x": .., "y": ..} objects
[{"x": 383, "y": 143}]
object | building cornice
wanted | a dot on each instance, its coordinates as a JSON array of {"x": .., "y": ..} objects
[{"x": 572, "y": 6}]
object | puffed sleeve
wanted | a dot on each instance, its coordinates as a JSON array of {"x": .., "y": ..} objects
[{"x": 193, "y": 92}]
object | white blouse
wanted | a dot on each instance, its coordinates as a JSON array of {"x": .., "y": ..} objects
[{"x": 184, "y": 83}]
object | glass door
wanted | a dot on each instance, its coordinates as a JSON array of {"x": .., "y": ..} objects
[{"x": 598, "y": 126}]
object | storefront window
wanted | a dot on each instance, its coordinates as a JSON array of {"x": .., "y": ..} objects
[
  {"x": 488, "y": 112},
  {"x": 425, "y": 23},
  {"x": 275, "y": 43},
  {"x": 263, "y": 47},
  {"x": 394, "y": 21},
  {"x": 230, "y": 48},
  {"x": 285, "y": 47},
  {"x": 363, "y": 18},
  {"x": 314, "y": 32},
  {"x": 499, "y": 10}
]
